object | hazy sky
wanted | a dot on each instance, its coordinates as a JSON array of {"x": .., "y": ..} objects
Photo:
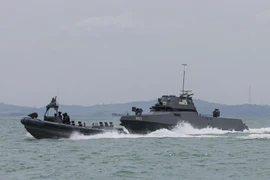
[{"x": 109, "y": 51}]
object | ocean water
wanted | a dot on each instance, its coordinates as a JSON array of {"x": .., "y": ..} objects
[{"x": 183, "y": 153}]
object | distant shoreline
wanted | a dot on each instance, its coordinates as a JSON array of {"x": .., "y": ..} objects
[{"x": 118, "y": 109}]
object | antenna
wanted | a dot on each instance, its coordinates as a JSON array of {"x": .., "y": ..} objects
[
  {"x": 249, "y": 94},
  {"x": 57, "y": 95},
  {"x": 183, "y": 91}
]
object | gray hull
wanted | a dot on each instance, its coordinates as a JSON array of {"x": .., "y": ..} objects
[
  {"x": 170, "y": 110},
  {"x": 157, "y": 120}
]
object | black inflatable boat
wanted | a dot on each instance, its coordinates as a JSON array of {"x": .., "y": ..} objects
[{"x": 55, "y": 127}]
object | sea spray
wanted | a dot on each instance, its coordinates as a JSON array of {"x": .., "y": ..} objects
[
  {"x": 182, "y": 131},
  {"x": 255, "y": 136}
]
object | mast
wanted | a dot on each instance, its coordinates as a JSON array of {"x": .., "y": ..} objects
[
  {"x": 57, "y": 95},
  {"x": 183, "y": 91},
  {"x": 249, "y": 94}
]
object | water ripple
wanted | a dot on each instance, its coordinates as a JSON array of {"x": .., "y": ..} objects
[{"x": 184, "y": 153}]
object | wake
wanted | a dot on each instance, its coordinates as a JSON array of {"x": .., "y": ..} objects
[
  {"x": 259, "y": 133},
  {"x": 183, "y": 130}
]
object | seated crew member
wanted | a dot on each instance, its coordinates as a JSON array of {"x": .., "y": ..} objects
[
  {"x": 66, "y": 119},
  {"x": 33, "y": 115},
  {"x": 55, "y": 117},
  {"x": 60, "y": 115}
]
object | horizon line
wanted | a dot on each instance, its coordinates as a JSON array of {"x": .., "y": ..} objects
[{"x": 100, "y": 104}]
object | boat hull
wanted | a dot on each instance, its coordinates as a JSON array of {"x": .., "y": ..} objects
[
  {"x": 144, "y": 127},
  {"x": 52, "y": 130},
  {"x": 151, "y": 122}
]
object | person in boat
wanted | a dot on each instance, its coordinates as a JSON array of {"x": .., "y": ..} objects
[
  {"x": 53, "y": 104},
  {"x": 60, "y": 115},
  {"x": 66, "y": 119},
  {"x": 33, "y": 115},
  {"x": 53, "y": 100}
]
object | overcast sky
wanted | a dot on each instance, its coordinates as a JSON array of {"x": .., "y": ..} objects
[{"x": 97, "y": 51}]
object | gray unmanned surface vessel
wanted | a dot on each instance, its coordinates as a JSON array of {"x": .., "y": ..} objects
[{"x": 170, "y": 110}]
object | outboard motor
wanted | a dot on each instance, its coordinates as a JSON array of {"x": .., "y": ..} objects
[
  {"x": 101, "y": 123},
  {"x": 84, "y": 124},
  {"x": 73, "y": 123},
  {"x": 106, "y": 124}
]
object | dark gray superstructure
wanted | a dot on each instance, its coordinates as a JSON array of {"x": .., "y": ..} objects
[{"x": 171, "y": 110}]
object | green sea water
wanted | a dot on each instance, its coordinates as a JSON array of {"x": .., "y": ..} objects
[{"x": 184, "y": 153}]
